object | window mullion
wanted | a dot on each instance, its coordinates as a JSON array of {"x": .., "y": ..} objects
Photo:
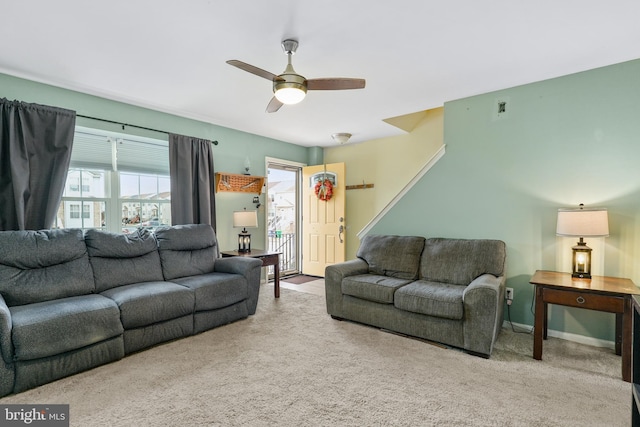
[{"x": 113, "y": 204}]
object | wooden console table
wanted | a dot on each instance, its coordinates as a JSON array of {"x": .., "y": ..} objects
[
  {"x": 601, "y": 293},
  {"x": 267, "y": 258}
]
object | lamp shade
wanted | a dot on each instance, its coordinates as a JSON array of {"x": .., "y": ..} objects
[
  {"x": 245, "y": 219},
  {"x": 583, "y": 222}
]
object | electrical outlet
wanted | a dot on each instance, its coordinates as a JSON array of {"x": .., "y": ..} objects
[{"x": 508, "y": 295}]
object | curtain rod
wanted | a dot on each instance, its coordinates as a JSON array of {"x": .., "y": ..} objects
[{"x": 130, "y": 125}]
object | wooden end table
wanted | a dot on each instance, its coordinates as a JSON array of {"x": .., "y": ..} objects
[
  {"x": 267, "y": 258},
  {"x": 601, "y": 293}
]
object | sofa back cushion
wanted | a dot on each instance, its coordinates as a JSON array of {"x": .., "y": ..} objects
[
  {"x": 393, "y": 256},
  {"x": 123, "y": 259},
  {"x": 459, "y": 261},
  {"x": 187, "y": 250},
  {"x": 43, "y": 265}
]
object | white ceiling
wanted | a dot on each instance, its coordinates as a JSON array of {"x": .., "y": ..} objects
[{"x": 415, "y": 55}]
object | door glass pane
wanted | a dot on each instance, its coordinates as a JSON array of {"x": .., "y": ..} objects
[{"x": 282, "y": 211}]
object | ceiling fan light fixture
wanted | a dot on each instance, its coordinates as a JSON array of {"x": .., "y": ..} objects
[
  {"x": 290, "y": 93},
  {"x": 290, "y": 87}
]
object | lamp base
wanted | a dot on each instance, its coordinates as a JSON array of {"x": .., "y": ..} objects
[
  {"x": 244, "y": 242},
  {"x": 581, "y": 255}
]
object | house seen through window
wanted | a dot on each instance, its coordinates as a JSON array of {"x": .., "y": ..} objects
[{"x": 116, "y": 182}]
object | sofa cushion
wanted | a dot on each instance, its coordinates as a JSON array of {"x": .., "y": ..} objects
[
  {"x": 372, "y": 287},
  {"x": 187, "y": 250},
  {"x": 43, "y": 265},
  {"x": 216, "y": 290},
  {"x": 143, "y": 304},
  {"x": 393, "y": 256},
  {"x": 122, "y": 259},
  {"x": 53, "y": 327},
  {"x": 459, "y": 261},
  {"x": 432, "y": 299}
]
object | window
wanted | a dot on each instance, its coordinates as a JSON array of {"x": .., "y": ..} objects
[
  {"x": 116, "y": 182},
  {"x": 73, "y": 184},
  {"x": 86, "y": 192},
  {"x": 145, "y": 200}
]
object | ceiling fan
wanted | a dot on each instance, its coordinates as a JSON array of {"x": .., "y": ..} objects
[{"x": 290, "y": 87}]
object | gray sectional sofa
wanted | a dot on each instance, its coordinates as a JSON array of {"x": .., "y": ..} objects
[
  {"x": 449, "y": 291},
  {"x": 70, "y": 301}
]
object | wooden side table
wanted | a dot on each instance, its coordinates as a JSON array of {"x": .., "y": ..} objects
[
  {"x": 267, "y": 258},
  {"x": 601, "y": 293}
]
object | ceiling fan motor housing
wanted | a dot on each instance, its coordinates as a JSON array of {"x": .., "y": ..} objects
[
  {"x": 295, "y": 81},
  {"x": 290, "y": 87}
]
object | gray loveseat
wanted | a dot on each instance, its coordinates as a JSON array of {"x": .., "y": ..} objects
[
  {"x": 449, "y": 291},
  {"x": 71, "y": 301}
]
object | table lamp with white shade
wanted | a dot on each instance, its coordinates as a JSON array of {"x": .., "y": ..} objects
[
  {"x": 245, "y": 219},
  {"x": 582, "y": 222}
]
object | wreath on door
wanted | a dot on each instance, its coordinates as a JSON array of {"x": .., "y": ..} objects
[{"x": 324, "y": 190}]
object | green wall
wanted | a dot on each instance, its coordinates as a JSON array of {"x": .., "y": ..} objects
[
  {"x": 565, "y": 141},
  {"x": 233, "y": 146}
]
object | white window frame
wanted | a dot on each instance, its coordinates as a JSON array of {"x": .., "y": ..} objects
[{"x": 112, "y": 200}]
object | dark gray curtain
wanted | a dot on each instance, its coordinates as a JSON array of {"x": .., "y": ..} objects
[
  {"x": 192, "y": 181},
  {"x": 35, "y": 149}
]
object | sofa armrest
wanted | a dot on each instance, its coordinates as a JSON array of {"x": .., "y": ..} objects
[
  {"x": 7, "y": 373},
  {"x": 6, "y": 348},
  {"x": 249, "y": 268},
  {"x": 483, "y": 308},
  {"x": 333, "y": 276}
]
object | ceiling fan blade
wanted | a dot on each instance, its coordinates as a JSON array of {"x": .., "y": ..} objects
[
  {"x": 336, "y": 83},
  {"x": 274, "y": 105},
  {"x": 254, "y": 70}
]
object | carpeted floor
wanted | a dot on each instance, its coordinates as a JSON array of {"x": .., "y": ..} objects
[{"x": 292, "y": 365}]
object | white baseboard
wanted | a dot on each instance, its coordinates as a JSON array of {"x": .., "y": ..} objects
[{"x": 581, "y": 339}]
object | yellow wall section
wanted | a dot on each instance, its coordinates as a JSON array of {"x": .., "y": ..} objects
[{"x": 388, "y": 163}]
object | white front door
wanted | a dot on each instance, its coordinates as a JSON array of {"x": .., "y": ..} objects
[{"x": 323, "y": 221}]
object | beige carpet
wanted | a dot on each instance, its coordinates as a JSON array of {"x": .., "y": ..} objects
[{"x": 292, "y": 365}]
